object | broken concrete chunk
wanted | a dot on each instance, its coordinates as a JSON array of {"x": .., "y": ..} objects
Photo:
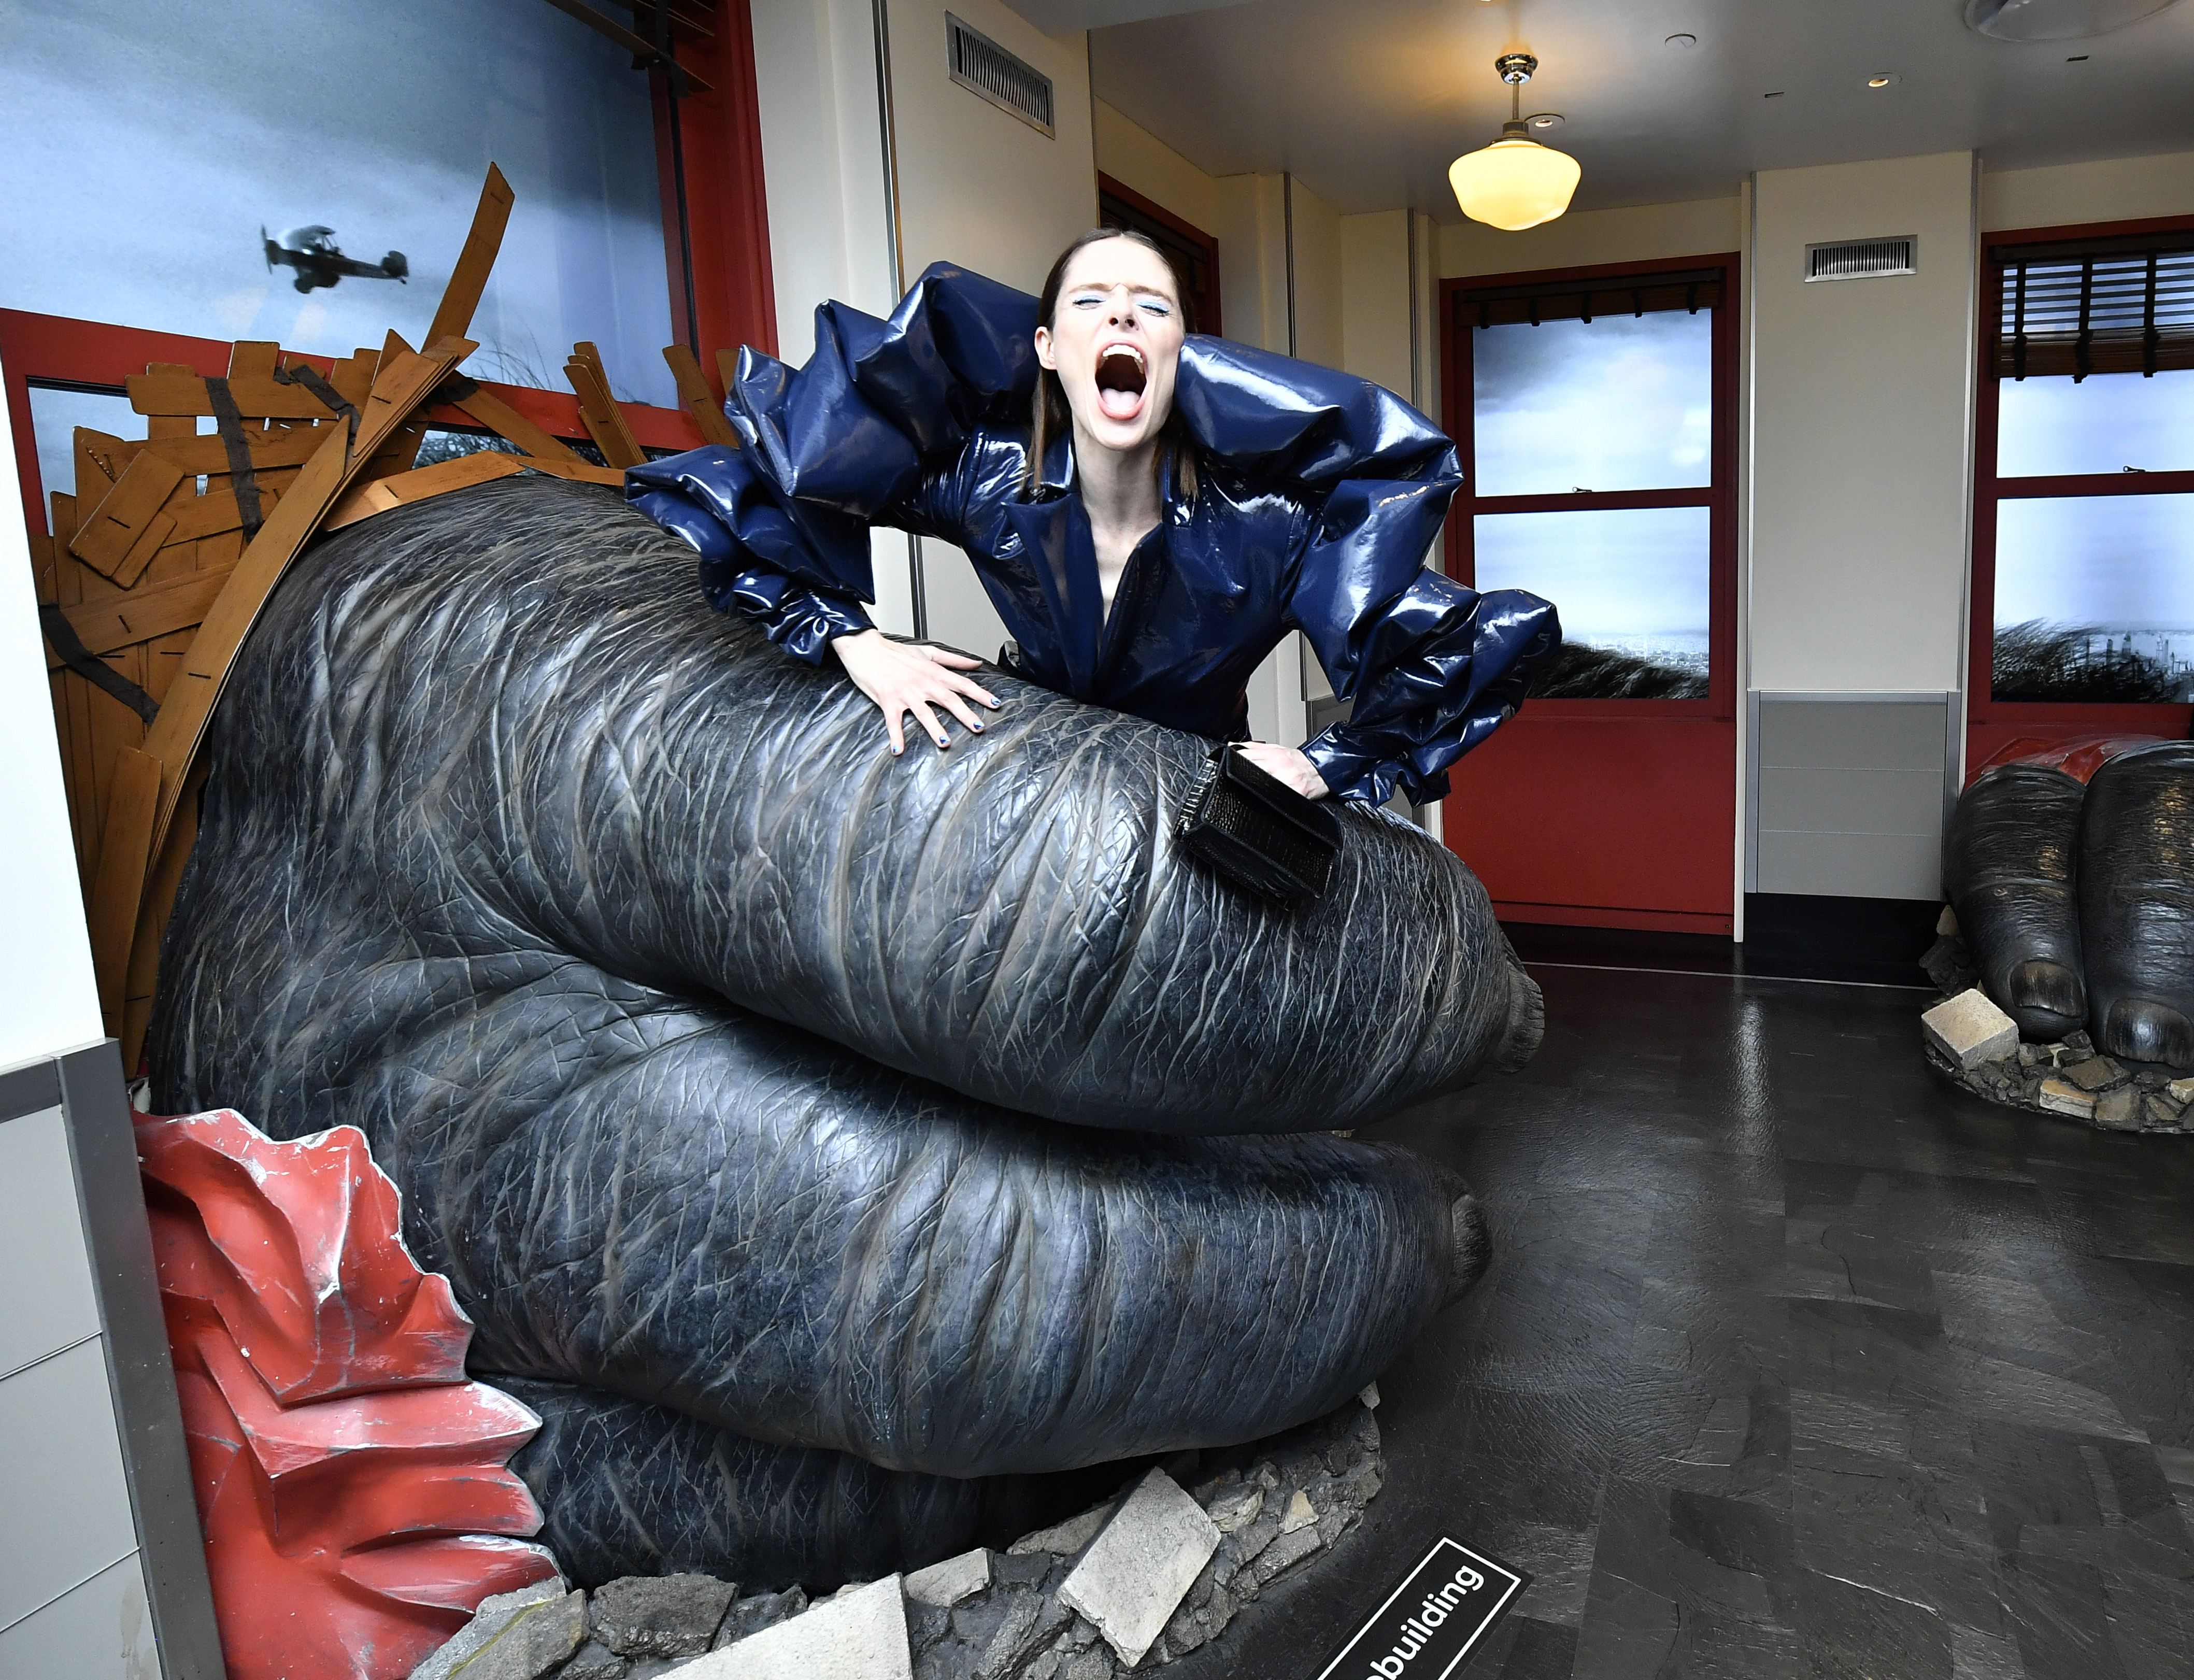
[
  {"x": 2059, "y": 1097},
  {"x": 1369, "y": 1395},
  {"x": 2097, "y": 1073},
  {"x": 2119, "y": 1110},
  {"x": 494, "y": 1615},
  {"x": 857, "y": 1636},
  {"x": 2181, "y": 1091},
  {"x": 1234, "y": 1506},
  {"x": 660, "y": 1615},
  {"x": 595, "y": 1661},
  {"x": 1137, "y": 1571},
  {"x": 1285, "y": 1553},
  {"x": 946, "y": 1584},
  {"x": 1067, "y": 1537},
  {"x": 1968, "y": 1029},
  {"x": 524, "y": 1643},
  {"x": 1299, "y": 1513},
  {"x": 751, "y": 1615}
]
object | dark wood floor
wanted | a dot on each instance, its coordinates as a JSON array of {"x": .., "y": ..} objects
[{"x": 1793, "y": 1360}]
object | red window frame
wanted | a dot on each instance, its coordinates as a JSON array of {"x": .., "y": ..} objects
[
  {"x": 1992, "y": 723},
  {"x": 1720, "y": 496}
]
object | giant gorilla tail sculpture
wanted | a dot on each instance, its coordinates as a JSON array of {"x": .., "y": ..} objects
[{"x": 720, "y": 1057}]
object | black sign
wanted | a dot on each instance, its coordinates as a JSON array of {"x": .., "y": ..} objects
[{"x": 1431, "y": 1622}]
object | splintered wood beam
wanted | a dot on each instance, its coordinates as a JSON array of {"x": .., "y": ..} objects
[
  {"x": 124, "y": 620},
  {"x": 125, "y": 850},
  {"x": 420, "y": 484},
  {"x": 598, "y": 410},
  {"x": 578, "y": 472},
  {"x": 700, "y": 401},
  {"x": 504, "y": 421},
  {"x": 405, "y": 381},
  {"x": 453, "y": 316},
  {"x": 109, "y": 537}
]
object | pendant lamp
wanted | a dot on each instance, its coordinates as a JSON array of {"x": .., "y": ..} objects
[{"x": 1514, "y": 183}]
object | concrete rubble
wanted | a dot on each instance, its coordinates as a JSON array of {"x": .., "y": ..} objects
[
  {"x": 1968, "y": 1030},
  {"x": 1138, "y": 1580}
]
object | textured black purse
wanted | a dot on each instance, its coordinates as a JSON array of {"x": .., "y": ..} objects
[{"x": 1257, "y": 833}]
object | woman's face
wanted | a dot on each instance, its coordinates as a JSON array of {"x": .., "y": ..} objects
[{"x": 1114, "y": 341}]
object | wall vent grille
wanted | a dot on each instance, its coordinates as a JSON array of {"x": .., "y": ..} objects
[
  {"x": 1862, "y": 259},
  {"x": 984, "y": 67}
]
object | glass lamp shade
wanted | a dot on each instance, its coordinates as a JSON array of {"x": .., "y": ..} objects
[{"x": 1514, "y": 183}]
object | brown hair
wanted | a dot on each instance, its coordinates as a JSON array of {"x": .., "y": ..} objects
[{"x": 1050, "y": 415}]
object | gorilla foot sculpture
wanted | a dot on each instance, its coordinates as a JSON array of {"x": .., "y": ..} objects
[{"x": 838, "y": 1137}]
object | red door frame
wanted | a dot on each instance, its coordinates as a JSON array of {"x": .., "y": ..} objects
[
  {"x": 1651, "y": 785},
  {"x": 1992, "y": 724},
  {"x": 1207, "y": 309}
]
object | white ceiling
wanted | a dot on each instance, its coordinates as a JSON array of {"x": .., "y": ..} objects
[{"x": 1367, "y": 101}]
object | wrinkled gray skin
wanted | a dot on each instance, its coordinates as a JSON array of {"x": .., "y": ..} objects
[{"x": 506, "y": 834}]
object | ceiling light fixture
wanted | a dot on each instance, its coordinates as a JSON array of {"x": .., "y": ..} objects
[
  {"x": 1515, "y": 182},
  {"x": 1879, "y": 81}
]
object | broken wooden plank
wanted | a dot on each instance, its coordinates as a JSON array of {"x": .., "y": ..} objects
[
  {"x": 118, "y": 621},
  {"x": 598, "y": 410},
  {"x": 174, "y": 395},
  {"x": 504, "y": 421},
  {"x": 133, "y": 792},
  {"x": 701, "y": 401},
  {"x": 289, "y": 445},
  {"x": 156, "y": 536},
  {"x": 216, "y": 511},
  {"x": 579, "y": 472},
  {"x": 110, "y": 531},
  {"x": 403, "y": 384},
  {"x": 468, "y": 278},
  {"x": 421, "y": 483}
]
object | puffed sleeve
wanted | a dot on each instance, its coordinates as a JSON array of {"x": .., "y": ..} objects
[
  {"x": 854, "y": 438},
  {"x": 1431, "y": 667}
]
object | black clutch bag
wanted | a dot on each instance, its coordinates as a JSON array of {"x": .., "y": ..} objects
[{"x": 1258, "y": 833}]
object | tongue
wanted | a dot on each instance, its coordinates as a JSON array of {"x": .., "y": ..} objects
[{"x": 1119, "y": 405}]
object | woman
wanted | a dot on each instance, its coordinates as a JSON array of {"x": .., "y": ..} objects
[{"x": 1150, "y": 511}]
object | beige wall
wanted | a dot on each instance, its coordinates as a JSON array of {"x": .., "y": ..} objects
[
  {"x": 1375, "y": 298},
  {"x": 1636, "y": 233},
  {"x": 1860, "y": 431},
  {"x": 1132, "y": 155},
  {"x": 2116, "y": 189}
]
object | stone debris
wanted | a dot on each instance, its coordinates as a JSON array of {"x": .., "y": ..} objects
[
  {"x": 660, "y": 1615},
  {"x": 494, "y": 1616},
  {"x": 522, "y": 1641},
  {"x": 1139, "y": 1568},
  {"x": 2061, "y": 1097},
  {"x": 945, "y": 1584},
  {"x": 1968, "y": 1030},
  {"x": 855, "y": 1635},
  {"x": 2069, "y": 1078},
  {"x": 1370, "y": 1396},
  {"x": 1265, "y": 1510}
]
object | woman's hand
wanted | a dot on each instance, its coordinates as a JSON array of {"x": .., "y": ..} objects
[
  {"x": 902, "y": 678},
  {"x": 1287, "y": 765}
]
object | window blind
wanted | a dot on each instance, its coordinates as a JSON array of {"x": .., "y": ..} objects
[
  {"x": 2096, "y": 306},
  {"x": 1571, "y": 300}
]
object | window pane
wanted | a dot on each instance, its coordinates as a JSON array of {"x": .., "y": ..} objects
[
  {"x": 54, "y": 416},
  {"x": 2105, "y": 423},
  {"x": 1632, "y": 587},
  {"x": 2095, "y": 598},
  {"x": 1621, "y": 402},
  {"x": 149, "y": 145}
]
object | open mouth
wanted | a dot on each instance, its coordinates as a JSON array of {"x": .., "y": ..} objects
[{"x": 1121, "y": 377}]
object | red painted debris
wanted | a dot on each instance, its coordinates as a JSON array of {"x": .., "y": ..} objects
[
  {"x": 2079, "y": 757},
  {"x": 351, "y": 1482}
]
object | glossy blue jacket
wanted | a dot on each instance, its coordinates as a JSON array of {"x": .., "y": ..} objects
[{"x": 1318, "y": 495}]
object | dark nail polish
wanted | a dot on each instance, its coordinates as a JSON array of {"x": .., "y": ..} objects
[{"x": 976, "y": 728}]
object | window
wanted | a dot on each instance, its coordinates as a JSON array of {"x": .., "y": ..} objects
[
  {"x": 2084, "y": 528},
  {"x": 1595, "y": 442}
]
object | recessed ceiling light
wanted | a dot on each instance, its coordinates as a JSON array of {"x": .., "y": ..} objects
[
  {"x": 1884, "y": 79},
  {"x": 1683, "y": 43}
]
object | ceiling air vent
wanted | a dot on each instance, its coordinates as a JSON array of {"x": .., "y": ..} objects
[
  {"x": 982, "y": 66},
  {"x": 1862, "y": 259}
]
